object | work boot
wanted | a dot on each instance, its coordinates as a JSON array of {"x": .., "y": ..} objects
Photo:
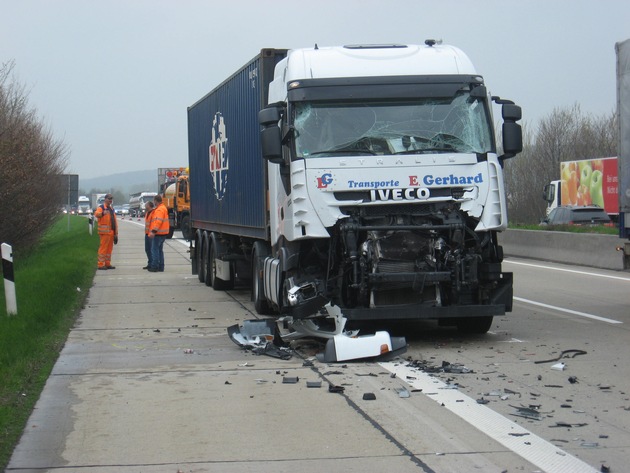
[
  {"x": 110, "y": 267},
  {"x": 102, "y": 267}
]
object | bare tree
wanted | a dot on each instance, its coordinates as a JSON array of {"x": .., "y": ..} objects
[
  {"x": 564, "y": 135},
  {"x": 31, "y": 160}
]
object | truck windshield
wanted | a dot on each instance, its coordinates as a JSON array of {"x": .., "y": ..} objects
[{"x": 458, "y": 124}]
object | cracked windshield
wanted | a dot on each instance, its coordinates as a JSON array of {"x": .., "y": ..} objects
[{"x": 456, "y": 124}]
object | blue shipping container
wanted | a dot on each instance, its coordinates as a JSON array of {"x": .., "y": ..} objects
[{"x": 228, "y": 188}]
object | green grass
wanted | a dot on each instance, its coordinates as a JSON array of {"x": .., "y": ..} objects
[
  {"x": 601, "y": 229},
  {"x": 51, "y": 283}
]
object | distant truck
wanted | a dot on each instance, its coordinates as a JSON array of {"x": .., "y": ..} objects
[
  {"x": 176, "y": 197},
  {"x": 137, "y": 202},
  {"x": 83, "y": 205},
  {"x": 362, "y": 178},
  {"x": 585, "y": 182},
  {"x": 97, "y": 199}
]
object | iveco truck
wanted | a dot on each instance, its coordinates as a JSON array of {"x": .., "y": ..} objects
[{"x": 363, "y": 177}]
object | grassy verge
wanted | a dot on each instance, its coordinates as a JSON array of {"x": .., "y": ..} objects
[
  {"x": 51, "y": 283},
  {"x": 601, "y": 229}
]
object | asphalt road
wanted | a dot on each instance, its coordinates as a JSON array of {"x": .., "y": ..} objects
[{"x": 150, "y": 382}]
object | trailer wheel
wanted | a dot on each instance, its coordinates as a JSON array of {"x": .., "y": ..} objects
[
  {"x": 474, "y": 325},
  {"x": 259, "y": 253},
  {"x": 201, "y": 257},
  {"x": 186, "y": 229}
]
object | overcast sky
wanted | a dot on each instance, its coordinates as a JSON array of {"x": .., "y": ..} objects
[{"x": 113, "y": 78}]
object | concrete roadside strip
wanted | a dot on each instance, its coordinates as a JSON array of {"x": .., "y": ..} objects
[{"x": 149, "y": 381}]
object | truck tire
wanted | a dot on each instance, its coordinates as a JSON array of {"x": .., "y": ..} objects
[
  {"x": 211, "y": 270},
  {"x": 201, "y": 257},
  {"x": 186, "y": 229},
  {"x": 474, "y": 325},
  {"x": 259, "y": 253}
]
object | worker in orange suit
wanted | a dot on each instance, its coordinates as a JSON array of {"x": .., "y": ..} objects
[
  {"x": 159, "y": 229},
  {"x": 107, "y": 231}
]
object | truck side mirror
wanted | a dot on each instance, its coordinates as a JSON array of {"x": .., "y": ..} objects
[
  {"x": 270, "y": 135},
  {"x": 512, "y": 133}
]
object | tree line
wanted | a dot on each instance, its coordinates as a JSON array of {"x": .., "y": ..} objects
[{"x": 31, "y": 159}]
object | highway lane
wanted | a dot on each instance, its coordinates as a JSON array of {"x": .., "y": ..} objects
[{"x": 557, "y": 307}]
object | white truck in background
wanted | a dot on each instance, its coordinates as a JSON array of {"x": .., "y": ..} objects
[
  {"x": 83, "y": 205},
  {"x": 137, "y": 201}
]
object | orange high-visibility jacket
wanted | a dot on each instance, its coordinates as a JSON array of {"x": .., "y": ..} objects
[
  {"x": 107, "y": 223},
  {"x": 159, "y": 220},
  {"x": 147, "y": 222}
]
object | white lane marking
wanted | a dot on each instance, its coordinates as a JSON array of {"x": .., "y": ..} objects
[
  {"x": 569, "y": 311},
  {"x": 532, "y": 448},
  {"x": 586, "y": 273}
]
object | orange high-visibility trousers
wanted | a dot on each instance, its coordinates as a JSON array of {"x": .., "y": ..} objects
[{"x": 105, "y": 250}]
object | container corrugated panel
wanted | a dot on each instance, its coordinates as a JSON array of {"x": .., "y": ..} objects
[{"x": 228, "y": 172}]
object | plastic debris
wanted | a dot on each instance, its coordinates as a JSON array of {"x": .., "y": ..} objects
[
  {"x": 380, "y": 345},
  {"x": 259, "y": 337},
  {"x": 290, "y": 379},
  {"x": 313, "y": 384},
  {"x": 335, "y": 389},
  {"x": 558, "y": 367},
  {"x": 369, "y": 396}
]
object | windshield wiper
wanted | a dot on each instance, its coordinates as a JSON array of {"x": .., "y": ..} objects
[
  {"x": 424, "y": 151},
  {"x": 356, "y": 152}
]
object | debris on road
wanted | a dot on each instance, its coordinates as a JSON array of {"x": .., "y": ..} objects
[
  {"x": 563, "y": 354},
  {"x": 380, "y": 346},
  {"x": 261, "y": 337}
]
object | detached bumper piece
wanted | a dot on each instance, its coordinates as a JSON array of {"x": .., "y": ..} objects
[
  {"x": 259, "y": 336},
  {"x": 380, "y": 346}
]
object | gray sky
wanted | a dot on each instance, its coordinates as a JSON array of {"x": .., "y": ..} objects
[{"x": 113, "y": 78}]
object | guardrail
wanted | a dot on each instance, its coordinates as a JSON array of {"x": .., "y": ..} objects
[{"x": 586, "y": 249}]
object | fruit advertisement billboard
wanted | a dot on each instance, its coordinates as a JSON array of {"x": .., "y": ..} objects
[{"x": 590, "y": 182}]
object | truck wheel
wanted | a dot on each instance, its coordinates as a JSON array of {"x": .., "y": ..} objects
[
  {"x": 259, "y": 253},
  {"x": 474, "y": 325},
  {"x": 201, "y": 258},
  {"x": 186, "y": 229}
]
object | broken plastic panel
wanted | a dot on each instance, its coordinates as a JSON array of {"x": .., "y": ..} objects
[{"x": 380, "y": 345}]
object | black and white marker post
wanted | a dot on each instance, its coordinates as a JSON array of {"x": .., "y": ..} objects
[{"x": 9, "y": 280}]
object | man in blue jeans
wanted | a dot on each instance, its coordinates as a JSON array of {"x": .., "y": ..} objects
[
  {"x": 159, "y": 229},
  {"x": 148, "y": 208}
]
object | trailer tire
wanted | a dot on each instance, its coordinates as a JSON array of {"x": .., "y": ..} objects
[
  {"x": 474, "y": 325},
  {"x": 259, "y": 253},
  {"x": 186, "y": 229}
]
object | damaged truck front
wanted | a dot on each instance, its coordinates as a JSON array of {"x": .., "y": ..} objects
[{"x": 384, "y": 189}]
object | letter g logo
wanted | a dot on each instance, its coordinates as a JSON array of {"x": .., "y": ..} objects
[{"x": 322, "y": 182}]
